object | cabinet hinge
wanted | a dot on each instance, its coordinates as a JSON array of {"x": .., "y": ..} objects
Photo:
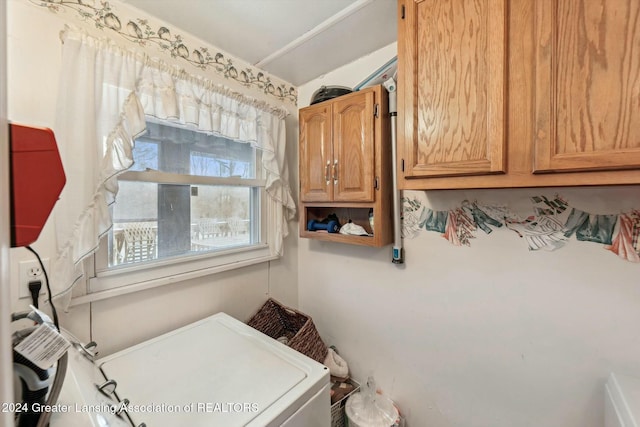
[
  {"x": 375, "y": 183},
  {"x": 402, "y": 13},
  {"x": 376, "y": 110}
]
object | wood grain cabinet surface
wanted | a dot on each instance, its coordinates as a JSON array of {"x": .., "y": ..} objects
[
  {"x": 345, "y": 163},
  {"x": 518, "y": 93},
  {"x": 453, "y": 60},
  {"x": 336, "y": 150}
]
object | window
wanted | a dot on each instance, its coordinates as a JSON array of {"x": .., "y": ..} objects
[
  {"x": 181, "y": 178},
  {"x": 190, "y": 201}
]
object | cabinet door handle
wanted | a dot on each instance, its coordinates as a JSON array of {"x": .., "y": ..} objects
[
  {"x": 335, "y": 171},
  {"x": 326, "y": 172}
]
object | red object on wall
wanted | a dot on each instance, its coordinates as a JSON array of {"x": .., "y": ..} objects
[{"x": 37, "y": 178}]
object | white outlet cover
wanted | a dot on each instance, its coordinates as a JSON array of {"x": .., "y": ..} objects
[{"x": 25, "y": 276}]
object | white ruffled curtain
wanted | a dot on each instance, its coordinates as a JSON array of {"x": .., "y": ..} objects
[{"x": 105, "y": 94}]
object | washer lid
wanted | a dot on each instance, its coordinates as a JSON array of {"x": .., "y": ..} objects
[
  {"x": 218, "y": 371},
  {"x": 80, "y": 403}
]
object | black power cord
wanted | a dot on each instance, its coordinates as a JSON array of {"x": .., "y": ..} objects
[
  {"x": 46, "y": 282},
  {"x": 41, "y": 418},
  {"x": 34, "y": 289}
]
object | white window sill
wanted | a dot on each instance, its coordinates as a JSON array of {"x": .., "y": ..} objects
[{"x": 144, "y": 285}]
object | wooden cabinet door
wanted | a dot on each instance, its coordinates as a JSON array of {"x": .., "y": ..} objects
[
  {"x": 452, "y": 87},
  {"x": 353, "y": 147},
  {"x": 587, "y": 106},
  {"x": 316, "y": 156}
]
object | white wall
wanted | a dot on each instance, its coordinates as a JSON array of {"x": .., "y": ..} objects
[
  {"x": 34, "y": 65},
  {"x": 487, "y": 335}
]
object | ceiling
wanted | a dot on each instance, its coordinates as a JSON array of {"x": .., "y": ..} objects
[{"x": 295, "y": 40}]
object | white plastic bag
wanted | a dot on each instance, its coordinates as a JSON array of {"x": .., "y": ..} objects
[{"x": 370, "y": 409}]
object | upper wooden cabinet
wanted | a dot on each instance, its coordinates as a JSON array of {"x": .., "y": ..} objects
[
  {"x": 316, "y": 153},
  {"x": 345, "y": 166},
  {"x": 518, "y": 93},
  {"x": 587, "y": 111},
  {"x": 453, "y": 67},
  {"x": 337, "y": 150}
]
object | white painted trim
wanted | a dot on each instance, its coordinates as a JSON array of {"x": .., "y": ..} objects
[
  {"x": 154, "y": 283},
  {"x": 175, "y": 178},
  {"x": 180, "y": 268},
  {"x": 6, "y": 367},
  {"x": 323, "y": 26}
]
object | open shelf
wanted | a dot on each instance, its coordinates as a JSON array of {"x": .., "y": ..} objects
[{"x": 357, "y": 214}]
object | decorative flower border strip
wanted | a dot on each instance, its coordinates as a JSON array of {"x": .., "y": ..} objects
[
  {"x": 550, "y": 228},
  {"x": 140, "y": 32}
]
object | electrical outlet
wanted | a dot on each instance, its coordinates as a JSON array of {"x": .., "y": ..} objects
[{"x": 30, "y": 271}]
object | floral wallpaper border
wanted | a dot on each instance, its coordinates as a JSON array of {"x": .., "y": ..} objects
[
  {"x": 139, "y": 31},
  {"x": 554, "y": 221}
]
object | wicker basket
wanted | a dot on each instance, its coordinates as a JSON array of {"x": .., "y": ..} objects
[
  {"x": 276, "y": 320},
  {"x": 338, "y": 417}
]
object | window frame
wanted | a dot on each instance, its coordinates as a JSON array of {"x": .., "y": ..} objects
[{"x": 105, "y": 281}]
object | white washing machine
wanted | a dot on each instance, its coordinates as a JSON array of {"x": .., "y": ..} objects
[
  {"x": 215, "y": 372},
  {"x": 622, "y": 401}
]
